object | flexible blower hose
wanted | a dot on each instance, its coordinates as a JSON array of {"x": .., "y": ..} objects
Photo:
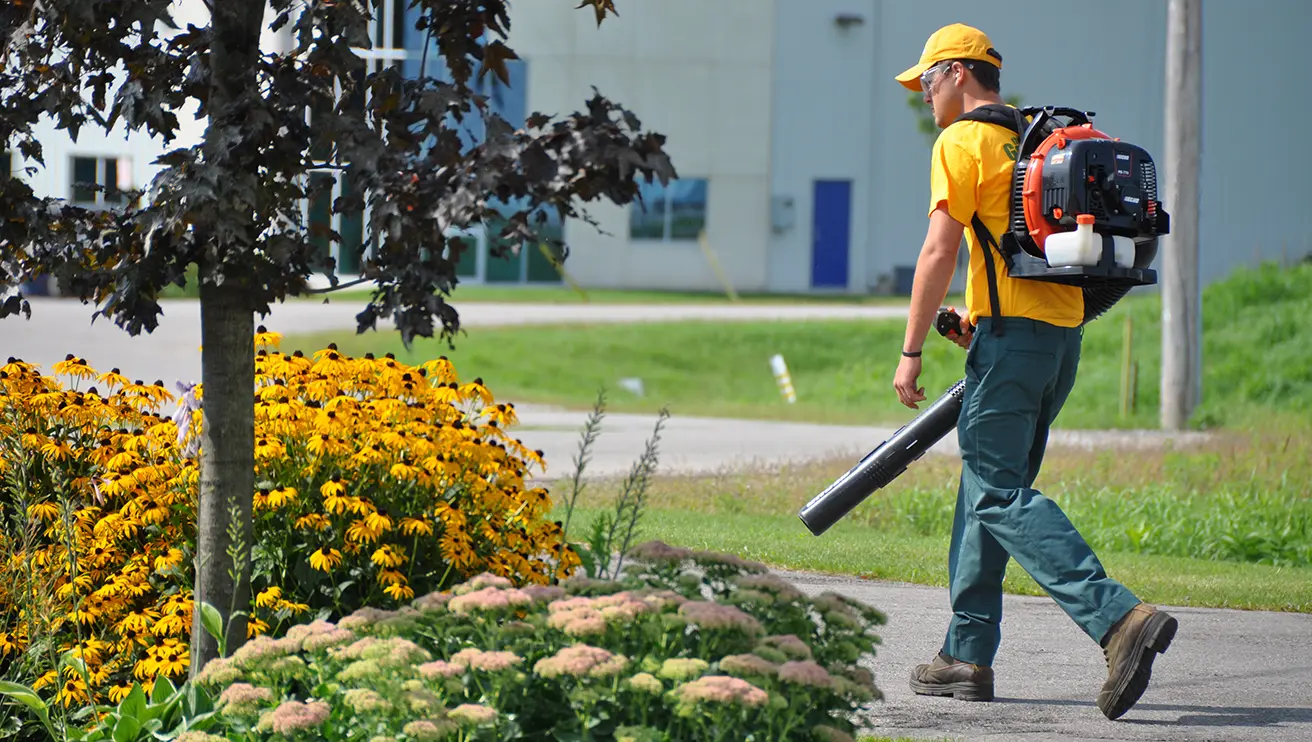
[{"x": 892, "y": 457}]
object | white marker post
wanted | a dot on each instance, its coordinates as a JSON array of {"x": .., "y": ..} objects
[{"x": 782, "y": 378}]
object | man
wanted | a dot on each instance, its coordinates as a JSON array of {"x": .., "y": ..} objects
[{"x": 1017, "y": 378}]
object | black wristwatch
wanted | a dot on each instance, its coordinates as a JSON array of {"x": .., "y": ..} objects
[{"x": 908, "y": 354}]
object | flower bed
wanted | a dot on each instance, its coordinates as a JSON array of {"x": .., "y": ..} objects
[
  {"x": 377, "y": 481},
  {"x": 685, "y": 645}
]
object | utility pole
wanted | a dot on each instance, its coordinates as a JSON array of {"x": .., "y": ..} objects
[{"x": 1181, "y": 299}]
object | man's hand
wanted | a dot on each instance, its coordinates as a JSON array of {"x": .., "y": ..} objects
[
  {"x": 908, "y": 371},
  {"x": 964, "y": 333}
]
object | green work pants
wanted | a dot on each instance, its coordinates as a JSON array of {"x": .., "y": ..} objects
[{"x": 1015, "y": 386}]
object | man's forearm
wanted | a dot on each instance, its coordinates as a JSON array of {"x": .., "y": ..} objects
[{"x": 934, "y": 270}]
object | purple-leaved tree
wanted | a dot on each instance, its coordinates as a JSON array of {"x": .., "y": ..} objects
[{"x": 231, "y": 207}]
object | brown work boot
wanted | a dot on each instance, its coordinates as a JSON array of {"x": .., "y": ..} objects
[
  {"x": 1130, "y": 648},
  {"x": 946, "y": 676}
]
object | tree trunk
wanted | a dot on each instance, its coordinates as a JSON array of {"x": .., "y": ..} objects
[{"x": 227, "y": 466}]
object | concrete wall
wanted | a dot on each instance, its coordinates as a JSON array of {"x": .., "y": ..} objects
[
  {"x": 699, "y": 72},
  {"x": 835, "y": 111}
]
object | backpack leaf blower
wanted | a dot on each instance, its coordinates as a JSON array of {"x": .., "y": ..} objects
[{"x": 1084, "y": 211}]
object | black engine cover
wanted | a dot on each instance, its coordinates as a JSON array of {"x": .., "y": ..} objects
[{"x": 1114, "y": 181}]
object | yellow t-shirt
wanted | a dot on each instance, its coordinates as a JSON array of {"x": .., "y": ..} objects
[{"x": 971, "y": 171}]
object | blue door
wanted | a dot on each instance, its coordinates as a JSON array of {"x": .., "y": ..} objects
[{"x": 831, "y": 227}]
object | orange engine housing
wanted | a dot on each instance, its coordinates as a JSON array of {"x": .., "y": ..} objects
[{"x": 1032, "y": 190}]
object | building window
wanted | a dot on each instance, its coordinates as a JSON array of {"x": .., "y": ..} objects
[
  {"x": 676, "y": 211},
  {"x": 95, "y": 181}
]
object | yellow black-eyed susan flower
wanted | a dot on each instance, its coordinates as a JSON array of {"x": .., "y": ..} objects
[{"x": 325, "y": 559}]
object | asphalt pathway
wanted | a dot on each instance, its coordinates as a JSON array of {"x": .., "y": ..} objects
[{"x": 1230, "y": 675}]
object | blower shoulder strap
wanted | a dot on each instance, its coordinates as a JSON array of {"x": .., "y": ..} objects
[
  {"x": 1013, "y": 120},
  {"x": 997, "y": 113}
]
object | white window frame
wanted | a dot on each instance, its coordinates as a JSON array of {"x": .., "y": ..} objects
[{"x": 376, "y": 58}]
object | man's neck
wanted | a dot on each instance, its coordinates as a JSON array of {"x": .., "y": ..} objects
[{"x": 970, "y": 102}]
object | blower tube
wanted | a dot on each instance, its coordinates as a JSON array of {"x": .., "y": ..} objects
[{"x": 885, "y": 463}]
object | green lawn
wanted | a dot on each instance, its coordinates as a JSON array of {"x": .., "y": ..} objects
[{"x": 1257, "y": 358}]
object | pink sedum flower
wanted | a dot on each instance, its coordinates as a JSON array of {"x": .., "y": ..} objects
[
  {"x": 322, "y": 641},
  {"x": 805, "y": 672},
  {"x": 434, "y": 602},
  {"x": 791, "y": 646},
  {"x": 659, "y": 552},
  {"x": 581, "y": 660},
  {"x": 364, "y": 700},
  {"x": 710, "y": 615},
  {"x": 440, "y": 669},
  {"x": 479, "y": 582},
  {"x": 721, "y": 689},
  {"x": 682, "y": 668},
  {"x": 479, "y": 659},
  {"x": 544, "y": 593},
  {"x": 645, "y": 682},
  {"x": 219, "y": 671},
  {"x": 569, "y": 604},
  {"x": 300, "y": 632},
  {"x": 429, "y": 729},
  {"x": 364, "y": 617},
  {"x": 240, "y": 699},
  {"x": 747, "y": 664},
  {"x": 261, "y": 649},
  {"x": 488, "y": 599},
  {"x": 661, "y": 599},
  {"x": 295, "y": 716},
  {"x": 768, "y": 583},
  {"x": 473, "y": 714},
  {"x": 579, "y": 622}
]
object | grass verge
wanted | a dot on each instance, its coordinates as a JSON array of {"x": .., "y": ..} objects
[
  {"x": 863, "y": 551},
  {"x": 548, "y": 294},
  {"x": 1257, "y": 361},
  {"x": 564, "y": 294}
]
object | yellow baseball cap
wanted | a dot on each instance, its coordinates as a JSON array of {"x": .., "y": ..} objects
[{"x": 955, "y": 41}]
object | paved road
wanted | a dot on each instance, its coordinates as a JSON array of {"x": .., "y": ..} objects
[
  {"x": 1229, "y": 675},
  {"x": 689, "y": 444}
]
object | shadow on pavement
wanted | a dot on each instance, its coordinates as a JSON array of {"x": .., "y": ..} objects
[{"x": 1200, "y": 716}]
